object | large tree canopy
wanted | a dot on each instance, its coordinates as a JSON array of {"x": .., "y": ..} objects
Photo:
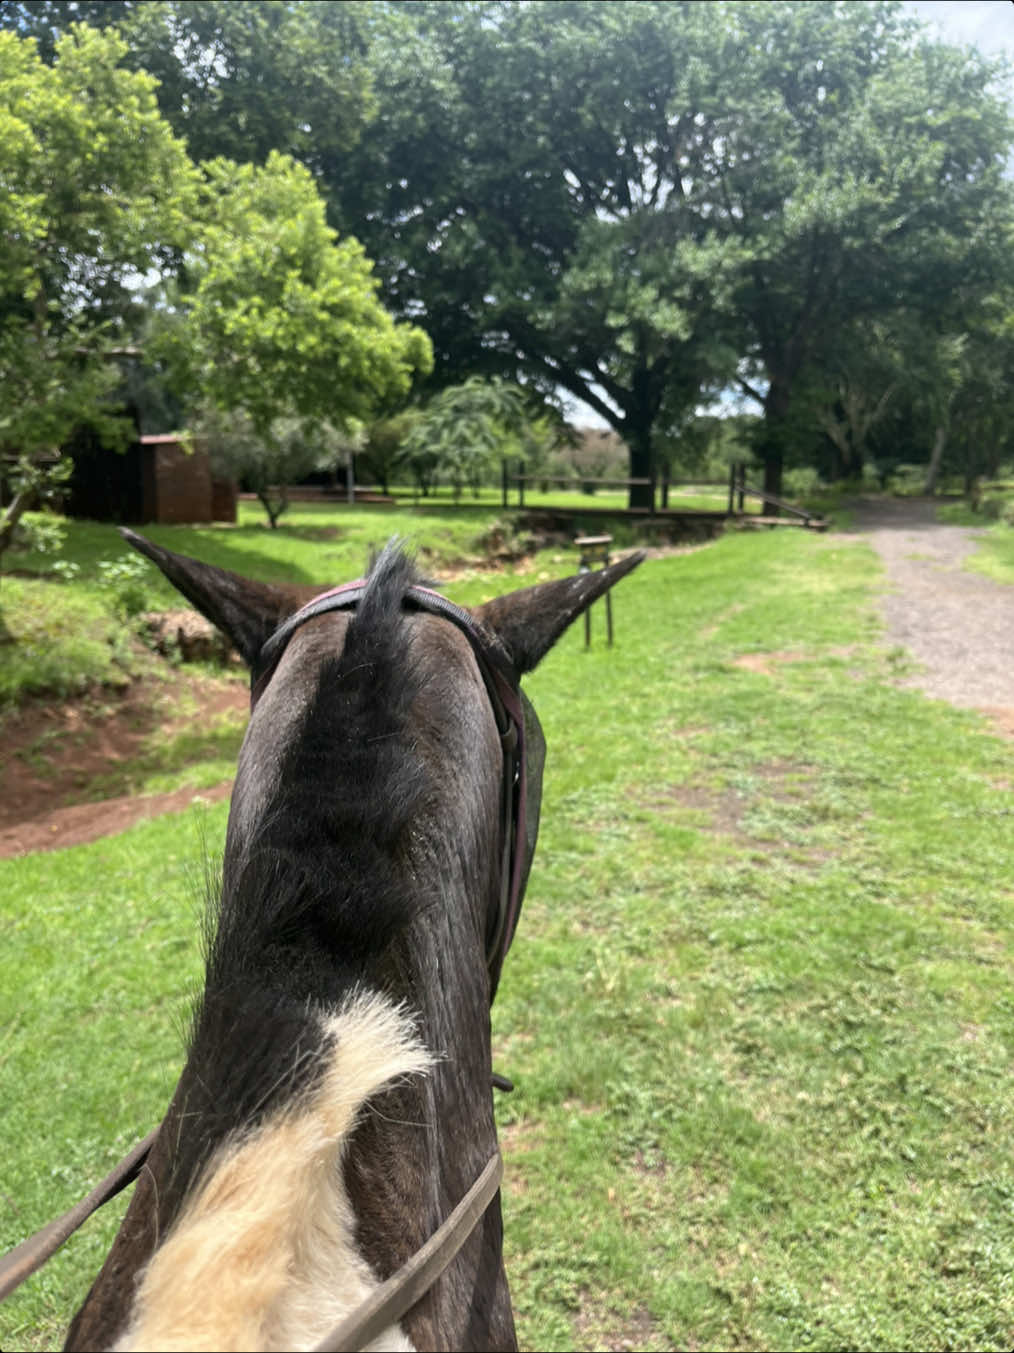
[
  {"x": 639, "y": 203},
  {"x": 277, "y": 316},
  {"x": 110, "y": 232},
  {"x": 235, "y": 79}
]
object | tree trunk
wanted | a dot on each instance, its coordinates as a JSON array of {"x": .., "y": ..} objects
[
  {"x": 773, "y": 465},
  {"x": 18, "y": 506},
  {"x": 642, "y": 464},
  {"x": 772, "y": 441},
  {"x": 936, "y": 456}
]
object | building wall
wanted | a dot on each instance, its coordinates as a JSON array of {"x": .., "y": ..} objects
[{"x": 182, "y": 484}]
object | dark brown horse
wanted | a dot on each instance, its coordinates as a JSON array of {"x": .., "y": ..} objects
[{"x": 336, "y": 1102}]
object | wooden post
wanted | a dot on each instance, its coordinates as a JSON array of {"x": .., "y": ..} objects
[
  {"x": 732, "y": 488},
  {"x": 595, "y": 553},
  {"x": 503, "y": 480},
  {"x": 741, "y": 496},
  {"x": 350, "y": 477}
]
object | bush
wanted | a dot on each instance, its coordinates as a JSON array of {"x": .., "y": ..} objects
[
  {"x": 802, "y": 482},
  {"x": 126, "y": 580},
  {"x": 63, "y": 641}
]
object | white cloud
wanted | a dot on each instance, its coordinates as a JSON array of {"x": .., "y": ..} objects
[{"x": 986, "y": 24}]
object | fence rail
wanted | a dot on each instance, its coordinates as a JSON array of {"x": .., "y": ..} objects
[{"x": 738, "y": 491}]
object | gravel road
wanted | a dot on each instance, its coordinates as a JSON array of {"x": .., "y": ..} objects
[{"x": 957, "y": 625}]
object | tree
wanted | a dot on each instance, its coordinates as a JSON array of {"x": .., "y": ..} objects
[
  {"x": 462, "y": 430},
  {"x": 862, "y": 171},
  {"x": 639, "y": 202},
  {"x": 277, "y": 317},
  {"x": 235, "y": 79},
  {"x": 383, "y": 446},
  {"x": 265, "y": 467},
  {"x": 507, "y": 193},
  {"x": 97, "y": 191}
]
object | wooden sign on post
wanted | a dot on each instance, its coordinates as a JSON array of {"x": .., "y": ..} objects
[{"x": 595, "y": 554}]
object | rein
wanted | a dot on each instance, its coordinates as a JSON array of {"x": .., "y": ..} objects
[
  {"x": 21, "y": 1262},
  {"x": 505, "y": 700},
  {"x": 383, "y": 1307}
]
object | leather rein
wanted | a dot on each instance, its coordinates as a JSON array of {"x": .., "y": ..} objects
[
  {"x": 398, "y": 1294},
  {"x": 384, "y": 1306}
]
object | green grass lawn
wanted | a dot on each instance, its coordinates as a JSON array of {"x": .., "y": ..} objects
[
  {"x": 995, "y": 553},
  {"x": 759, "y": 1010}
]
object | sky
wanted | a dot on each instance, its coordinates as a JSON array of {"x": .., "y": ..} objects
[{"x": 986, "y": 24}]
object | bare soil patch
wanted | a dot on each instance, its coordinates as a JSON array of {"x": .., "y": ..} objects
[
  {"x": 766, "y": 663},
  {"x": 53, "y": 753}
]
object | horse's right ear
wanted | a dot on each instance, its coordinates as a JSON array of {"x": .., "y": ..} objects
[
  {"x": 529, "y": 622},
  {"x": 246, "y": 612}
]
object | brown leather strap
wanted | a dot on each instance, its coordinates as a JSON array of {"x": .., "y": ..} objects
[
  {"x": 32, "y": 1253},
  {"x": 389, "y": 1302}
]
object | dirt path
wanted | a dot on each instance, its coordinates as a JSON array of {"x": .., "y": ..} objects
[
  {"x": 52, "y": 754},
  {"x": 957, "y": 625}
]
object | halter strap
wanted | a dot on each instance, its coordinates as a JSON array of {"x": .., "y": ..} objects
[{"x": 505, "y": 700}]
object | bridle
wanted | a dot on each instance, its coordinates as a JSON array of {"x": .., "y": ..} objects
[
  {"x": 399, "y": 1293},
  {"x": 505, "y": 700}
]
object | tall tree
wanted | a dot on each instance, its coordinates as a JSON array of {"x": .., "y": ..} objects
[
  {"x": 861, "y": 166},
  {"x": 275, "y": 315},
  {"x": 97, "y": 191},
  {"x": 518, "y": 204},
  {"x": 235, "y": 79},
  {"x": 637, "y": 201}
]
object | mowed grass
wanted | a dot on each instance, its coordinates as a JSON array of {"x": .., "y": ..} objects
[
  {"x": 759, "y": 1010},
  {"x": 995, "y": 555}
]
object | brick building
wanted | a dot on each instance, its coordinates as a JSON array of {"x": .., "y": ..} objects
[{"x": 155, "y": 480}]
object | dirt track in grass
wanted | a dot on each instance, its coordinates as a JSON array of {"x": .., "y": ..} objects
[{"x": 54, "y": 751}]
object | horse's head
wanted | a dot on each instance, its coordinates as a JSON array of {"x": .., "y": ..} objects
[{"x": 381, "y": 830}]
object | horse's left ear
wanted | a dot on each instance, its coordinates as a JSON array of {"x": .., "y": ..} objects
[
  {"x": 247, "y": 612},
  {"x": 529, "y": 622}
]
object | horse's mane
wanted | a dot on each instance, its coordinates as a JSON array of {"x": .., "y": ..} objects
[
  {"x": 310, "y": 911},
  {"x": 327, "y": 866}
]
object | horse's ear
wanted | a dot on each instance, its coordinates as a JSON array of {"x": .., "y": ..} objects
[
  {"x": 246, "y": 612},
  {"x": 529, "y": 622}
]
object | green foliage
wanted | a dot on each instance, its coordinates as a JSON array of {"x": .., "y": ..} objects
[
  {"x": 643, "y": 202},
  {"x": 461, "y": 433},
  {"x": 383, "y": 447},
  {"x": 125, "y": 579},
  {"x": 277, "y": 315},
  {"x": 235, "y": 79},
  {"x": 265, "y": 462},
  {"x": 61, "y": 641},
  {"x": 96, "y": 192}
]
